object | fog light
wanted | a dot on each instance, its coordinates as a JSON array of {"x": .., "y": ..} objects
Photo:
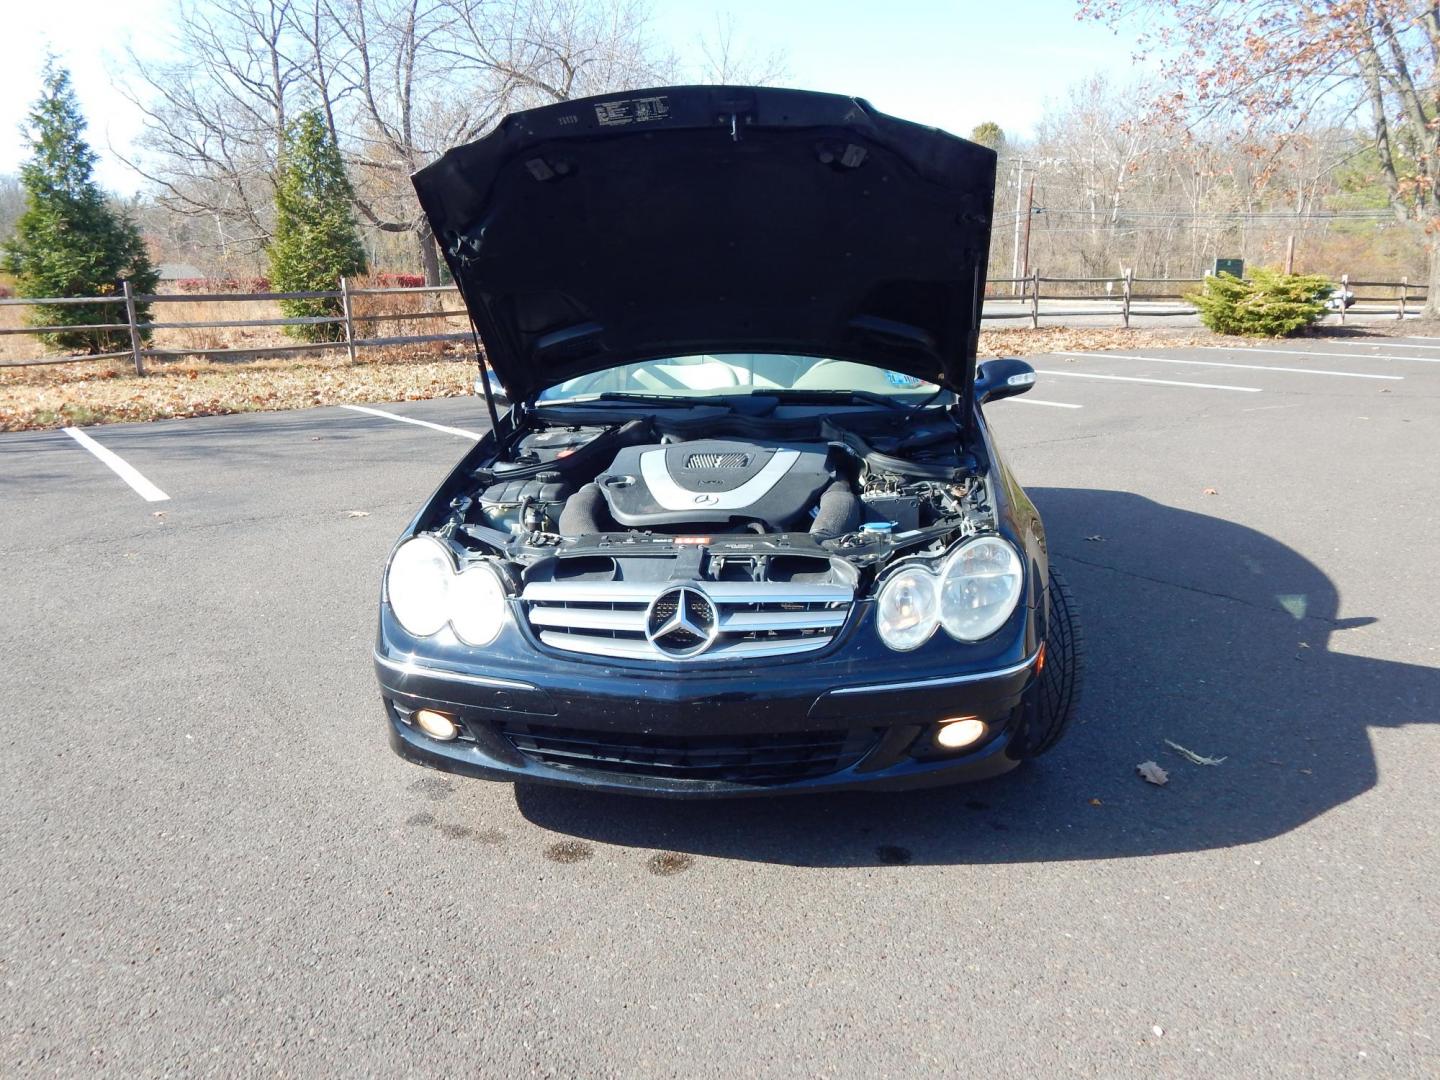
[
  {"x": 436, "y": 725},
  {"x": 960, "y": 732}
]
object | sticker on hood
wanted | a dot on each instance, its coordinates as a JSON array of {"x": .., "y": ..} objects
[{"x": 638, "y": 110}]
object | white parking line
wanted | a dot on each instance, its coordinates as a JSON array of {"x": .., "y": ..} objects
[
  {"x": 1311, "y": 352},
  {"x": 1247, "y": 367},
  {"x": 1398, "y": 345},
  {"x": 1052, "y": 404},
  {"x": 411, "y": 420},
  {"x": 119, "y": 466},
  {"x": 1136, "y": 378}
]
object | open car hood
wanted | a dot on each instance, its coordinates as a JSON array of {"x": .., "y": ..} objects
[{"x": 714, "y": 219}]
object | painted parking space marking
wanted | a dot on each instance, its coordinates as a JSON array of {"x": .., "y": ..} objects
[
  {"x": 119, "y": 466},
  {"x": 462, "y": 432},
  {"x": 1246, "y": 367},
  {"x": 1138, "y": 379},
  {"x": 1311, "y": 352},
  {"x": 1398, "y": 345},
  {"x": 1052, "y": 404}
]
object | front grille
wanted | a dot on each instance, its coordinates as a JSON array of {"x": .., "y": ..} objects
[
  {"x": 752, "y": 619},
  {"x": 717, "y": 461},
  {"x": 746, "y": 759}
]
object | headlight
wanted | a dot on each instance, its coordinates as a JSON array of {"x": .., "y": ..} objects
[
  {"x": 980, "y": 584},
  {"x": 418, "y": 585},
  {"x": 425, "y": 593},
  {"x": 971, "y": 595},
  {"x": 477, "y": 605},
  {"x": 908, "y": 609}
]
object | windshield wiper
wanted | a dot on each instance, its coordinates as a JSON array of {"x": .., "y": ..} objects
[
  {"x": 833, "y": 395},
  {"x": 689, "y": 401}
]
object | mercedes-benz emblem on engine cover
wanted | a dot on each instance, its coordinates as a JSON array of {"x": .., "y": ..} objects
[{"x": 681, "y": 622}]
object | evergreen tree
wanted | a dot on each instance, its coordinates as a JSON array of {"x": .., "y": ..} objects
[
  {"x": 70, "y": 241},
  {"x": 316, "y": 241},
  {"x": 989, "y": 134}
]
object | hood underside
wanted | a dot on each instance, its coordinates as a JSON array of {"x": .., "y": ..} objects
[{"x": 713, "y": 219}]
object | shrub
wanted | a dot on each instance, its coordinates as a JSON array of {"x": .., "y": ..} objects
[
  {"x": 1267, "y": 304},
  {"x": 385, "y": 280},
  {"x": 70, "y": 242},
  {"x": 316, "y": 242}
]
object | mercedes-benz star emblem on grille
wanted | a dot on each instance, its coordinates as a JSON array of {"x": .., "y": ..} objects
[{"x": 681, "y": 622}]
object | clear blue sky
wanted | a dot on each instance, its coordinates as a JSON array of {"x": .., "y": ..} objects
[{"x": 949, "y": 64}]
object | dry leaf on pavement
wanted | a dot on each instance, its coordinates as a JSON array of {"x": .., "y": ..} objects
[
  {"x": 1192, "y": 756},
  {"x": 1152, "y": 773}
]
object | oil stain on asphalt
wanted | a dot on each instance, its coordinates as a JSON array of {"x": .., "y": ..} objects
[
  {"x": 457, "y": 832},
  {"x": 434, "y": 788},
  {"x": 669, "y": 863},
  {"x": 568, "y": 851}
]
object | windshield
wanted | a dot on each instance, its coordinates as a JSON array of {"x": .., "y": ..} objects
[{"x": 742, "y": 373}]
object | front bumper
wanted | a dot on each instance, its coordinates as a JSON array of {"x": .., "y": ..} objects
[{"x": 656, "y": 731}]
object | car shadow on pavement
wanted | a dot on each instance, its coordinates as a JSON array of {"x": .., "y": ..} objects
[{"x": 1199, "y": 631}]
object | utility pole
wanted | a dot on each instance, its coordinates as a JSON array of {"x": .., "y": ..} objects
[
  {"x": 1029, "y": 213},
  {"x": 1015, "y": 248},
  {"x": 1290, "y": 254}
]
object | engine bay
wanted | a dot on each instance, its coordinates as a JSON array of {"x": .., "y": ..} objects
[{"x": 861, "y": 486}]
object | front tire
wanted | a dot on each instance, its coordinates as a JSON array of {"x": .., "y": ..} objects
[{"x": 1050, "y": 702}]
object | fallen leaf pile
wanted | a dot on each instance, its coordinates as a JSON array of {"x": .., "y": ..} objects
[
  {"x": 98, "y": 392},
  {"x": 1024, "y": 341}
]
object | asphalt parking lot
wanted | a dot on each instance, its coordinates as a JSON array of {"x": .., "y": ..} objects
[{"x": 214, "y": 864}]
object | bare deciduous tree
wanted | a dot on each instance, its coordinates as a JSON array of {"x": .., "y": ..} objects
[
  {"x": 215, "y": 119},
  {"x": 1284, "y": 65},
  {"x": 398, "y": 82}
]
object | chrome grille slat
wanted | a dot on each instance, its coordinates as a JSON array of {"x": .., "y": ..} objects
[
  {"x": 754, "y": 619},
  {"x": 638, "y": 648},
  {"x": 632, "y": 619},
  {"x": 740, "y": 622},
  {"x": 593, "y": 592}
]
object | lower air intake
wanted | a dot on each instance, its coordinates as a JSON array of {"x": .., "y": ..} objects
[{"x": 742, "y": 759}]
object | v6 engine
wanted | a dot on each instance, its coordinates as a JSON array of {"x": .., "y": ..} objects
[{"x": 713, "y": 480}]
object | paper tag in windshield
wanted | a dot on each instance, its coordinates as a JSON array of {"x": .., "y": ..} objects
[
  {"x": 639, "y": 110},
  {"x": 907, "y": 382}
]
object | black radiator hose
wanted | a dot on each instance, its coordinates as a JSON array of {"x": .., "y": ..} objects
[
  {"x": 585, "y": 513},
  {"x": 839, "y": 512}
]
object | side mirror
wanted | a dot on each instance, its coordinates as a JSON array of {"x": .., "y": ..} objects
[{"x": 1002, "y": 378}]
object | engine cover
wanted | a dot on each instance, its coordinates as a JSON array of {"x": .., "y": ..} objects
[{"x": 713, "y": 480}]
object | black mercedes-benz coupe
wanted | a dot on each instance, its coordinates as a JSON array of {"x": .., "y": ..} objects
[{"x": 742, "y": 528}]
